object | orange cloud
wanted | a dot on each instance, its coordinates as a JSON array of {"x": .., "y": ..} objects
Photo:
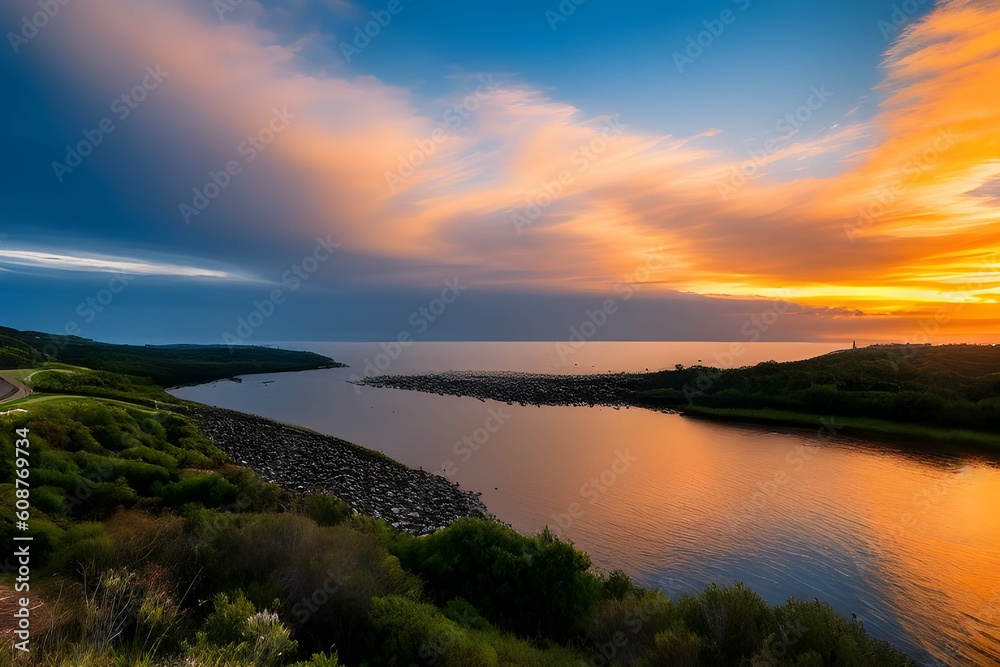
[{"x": 523, "y": 190}]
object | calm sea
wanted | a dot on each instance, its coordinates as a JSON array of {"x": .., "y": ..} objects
[{"x": 910, "y": 543}]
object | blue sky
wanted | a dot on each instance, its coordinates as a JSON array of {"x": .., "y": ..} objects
[{"x": 69, "y": 231}]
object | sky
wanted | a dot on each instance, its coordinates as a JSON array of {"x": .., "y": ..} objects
[{"x": 253, "y": 171}]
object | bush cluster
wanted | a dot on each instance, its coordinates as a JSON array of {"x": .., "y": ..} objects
[
  {"x": 151, "y": 549},
  {"x": 955, "y": 386}
]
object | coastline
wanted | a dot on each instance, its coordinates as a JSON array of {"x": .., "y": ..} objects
[
  {"x": 626, "y": 390},
  {"x": 304, "y": 461},
  {"x": 876, "y": 429},
  {"x": 239, "y": 376}
]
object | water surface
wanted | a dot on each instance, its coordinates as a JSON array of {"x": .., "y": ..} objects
[{"x": 910, "y": 543}]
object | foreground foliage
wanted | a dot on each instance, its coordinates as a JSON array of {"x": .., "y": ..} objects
[{"x": 152, "y": 549}]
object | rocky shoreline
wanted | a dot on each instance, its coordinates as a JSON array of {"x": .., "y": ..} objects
[
  {"x": 610, "y": 389},
  {"x": 303, "y": 461}
]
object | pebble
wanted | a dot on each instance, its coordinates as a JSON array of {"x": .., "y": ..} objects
[
  {"x": 303, "y": 461},
  {"x": 610, "y": 389}
]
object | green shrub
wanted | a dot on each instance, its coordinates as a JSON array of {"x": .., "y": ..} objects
[
  {"x": 49, "y": 499},
  {"x": 410, "y": 632},
  {"x": 736, "y": 620},
  {"x": 618, "y": 585},
  {"x": 678, "y": 646},
  {"x": 84, "y": 542},
  {"x": 327, "y": 510},
  {"x": 130, "y": 540},
  {"x": 140, "y": 476},
  {"x": 465, "y": 614},
  {"x": 67, "y": 481},
  {"x": 534, "y": 586},
  {"x": 625, "y": 627},
  {"x": 406, "y": 632},
  {"x": 810, "y": 659},
  {"x": 319, "y": 660},
  {"x": 816, "y": 628},
  {"x": 150, "y": 455},
  {"x": 45, "y": 535},
  {"x": 255, "y": 495},
  {"x": 51, "y": 431},
  {"x": 108, "y": 497},
  {"x": 54, "y": 460},
  {"x": 235, "y": 633},
  {"x": 227, "y": 623},
  {"x": 326, "y": 577},
  {"x": 211, "y": 490}
]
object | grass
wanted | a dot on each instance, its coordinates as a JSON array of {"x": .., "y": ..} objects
[
  {"x": 23, "y": 374},
  {"x": 152, "y": 548},
  {"x": 165, "y": 365},
  {"x": 38, "y": 399},
  {"x": 947, "y": 393},
  {"x": 847, "y": 425}
]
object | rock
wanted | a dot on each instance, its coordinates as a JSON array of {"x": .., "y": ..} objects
[{"x": 300, "y": 460}]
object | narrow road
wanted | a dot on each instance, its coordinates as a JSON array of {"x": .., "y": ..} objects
[{"x": 11, "y": 389}]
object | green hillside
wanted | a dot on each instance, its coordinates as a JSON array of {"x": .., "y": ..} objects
[
  {"x": 166, "y": 365},
  {"x": 949, "y": 386},
  {"x": 150, "y": 547}
]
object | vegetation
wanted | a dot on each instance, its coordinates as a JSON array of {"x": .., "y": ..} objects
[
  {"x": 16, "y": 354},
  {"x": 61, "y": 379},
  {"x": 167, "y": 366},
  {"x": 942, "y": 387},
  {"x": 151, "y": 548}
]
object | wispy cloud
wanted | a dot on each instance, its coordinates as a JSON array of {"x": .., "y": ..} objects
[
  {"x": 326, "y": 173},
  {"x": 58, "y": 261}
]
